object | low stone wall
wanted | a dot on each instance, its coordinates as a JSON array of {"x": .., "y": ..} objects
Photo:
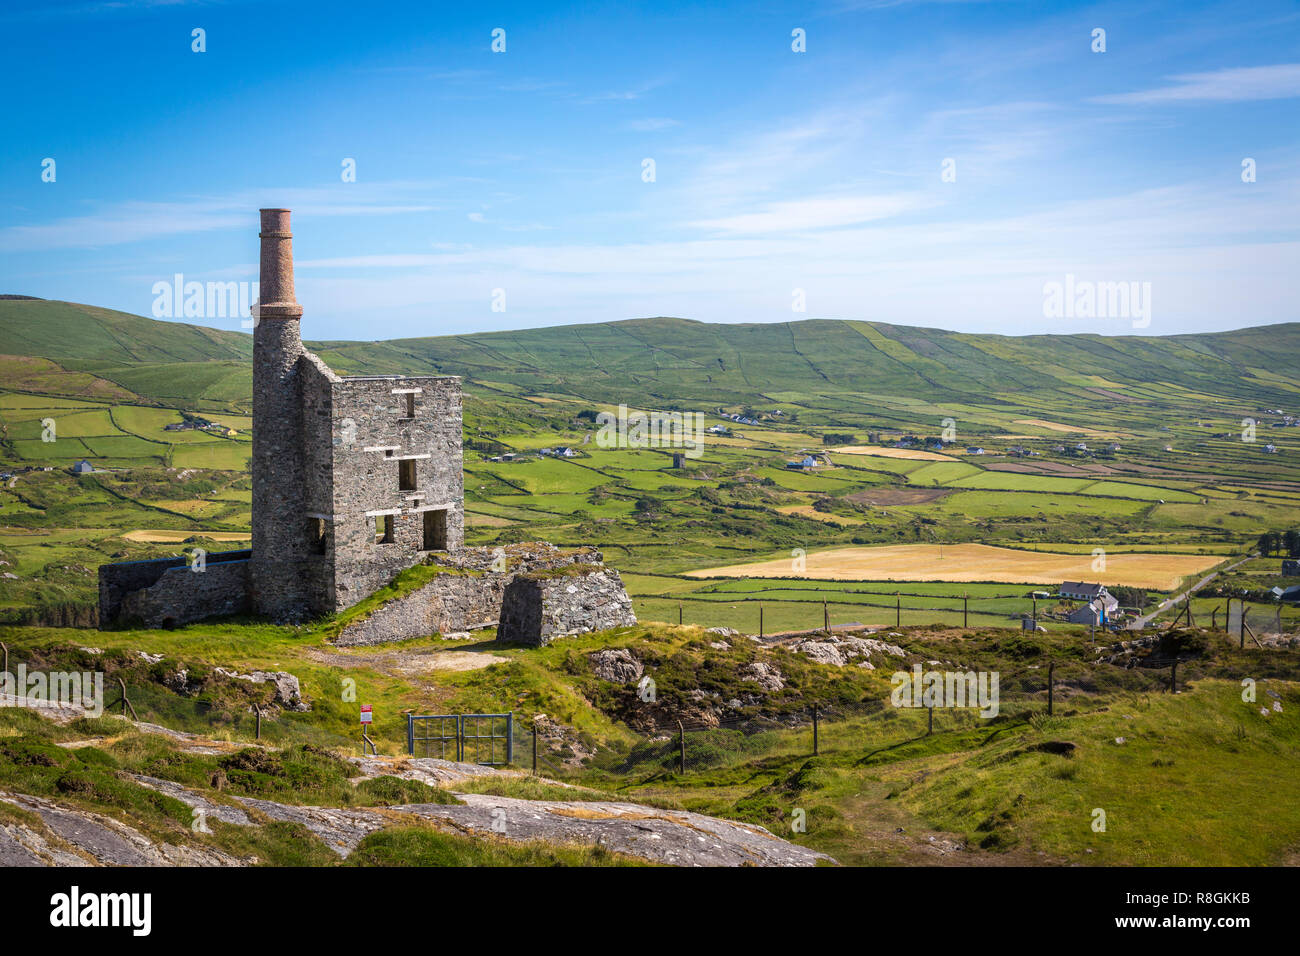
[
  {"x": 468, "y": 596},
  {"x": 538, "y": 608},
  {"x": 181, "y": 595},
  {"x": 118, "y": 583}
]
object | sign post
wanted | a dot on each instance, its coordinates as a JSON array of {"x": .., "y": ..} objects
[{"x": 367, "y": 717}]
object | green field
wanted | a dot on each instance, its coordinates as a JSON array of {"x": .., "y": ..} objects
[{"x": 111, "y": 383}]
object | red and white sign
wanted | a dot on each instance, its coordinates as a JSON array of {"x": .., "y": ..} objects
[{"x": 366, "y": 715}]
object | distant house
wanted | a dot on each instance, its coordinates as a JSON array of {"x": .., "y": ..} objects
[
  {"x": 1290, "y": 595},
  {"x": 1082, "y": 446},
  {"x": 1113, "y": 446},
  {"x": 975, "y": 450},
  {"x": 1290, "y": 566},
  {"x": 719, "y": 430},
  {"x": 82, "y": 467},
  {"x": 1095, "y": 613},
  {"x": 1079, "y": 591},
  {"x": 1271, "y": 449},
  {"x": 566, "y": 452},
  {"x": 808, "y": 462}
]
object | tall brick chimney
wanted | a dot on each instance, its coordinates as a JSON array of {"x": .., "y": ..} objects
[{"x": 280, "y": 534}]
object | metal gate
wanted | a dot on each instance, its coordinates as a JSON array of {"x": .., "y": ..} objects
[{"x": 472, "y": 738}]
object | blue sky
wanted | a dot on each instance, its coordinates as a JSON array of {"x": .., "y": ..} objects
[{"x": 775, "y": 171}]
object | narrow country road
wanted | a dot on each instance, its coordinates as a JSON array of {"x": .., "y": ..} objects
[{"x": 1164, "y": 605}]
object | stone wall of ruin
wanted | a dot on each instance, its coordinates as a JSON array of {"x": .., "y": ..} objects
[{"x": 538, "y": 608}]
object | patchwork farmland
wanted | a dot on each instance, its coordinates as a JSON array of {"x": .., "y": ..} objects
[{"x": 1028, "y": 489}]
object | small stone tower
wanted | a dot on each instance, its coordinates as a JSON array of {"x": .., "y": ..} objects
[{"x": 279, "y": 535}]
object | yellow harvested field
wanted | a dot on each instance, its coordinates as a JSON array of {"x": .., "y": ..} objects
[
  {"x": 1059, "y": 427},
  {"x": 172, "y": 537},
  {"x": 879, "y": 451},
  {"x": 975, "y": 562}
]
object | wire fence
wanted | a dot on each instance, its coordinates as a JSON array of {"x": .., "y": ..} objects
[{"x": 1046, "y": 688}]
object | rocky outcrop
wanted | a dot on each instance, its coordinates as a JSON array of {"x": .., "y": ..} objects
[
  {"x": 75, "y": 837},
  {"x": 673, "y": 837},
  {"x": 839, "y": 651},
  {"x": 538, "y": 608},
  {"x": 616, "y": 666},
  {"x": 287, "y": 696},
  {"x": 766, "y": 676}
]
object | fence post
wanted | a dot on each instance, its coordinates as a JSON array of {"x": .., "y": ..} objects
[
  {"x": 1051, "y": 666},
  {"x": 681, "y": 737},
  {"x": 965, "y": 610},
  {"x": 1242, "y": 628},
  {"x": 1035, "y": 615},
  {"x": 1173, "y": 677},
  {"x": 929, "y": 729},
  {"x": 826, "y": 617},
  {"x": 1214, "y": 619},
  {"x": 679, "y": 613},
  {"x": 760, "y": 618},
  {"x": 534, "y": 746},
  {"x": 510, "y": 738},
  {"x": 898, "y": 610},
  {"x": 816, "y": 747},
  {"x": 257, "y": 709},
  {"x": 5, "y": 648},
  {"x": 410, "y": 734}
]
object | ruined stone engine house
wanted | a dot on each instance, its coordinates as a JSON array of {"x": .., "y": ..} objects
[{"x": 354, "y": 480}]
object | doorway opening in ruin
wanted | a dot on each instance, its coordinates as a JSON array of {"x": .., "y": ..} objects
[
  {"x": 435, "y": 530},
  {"x": 383, "y": 529}
]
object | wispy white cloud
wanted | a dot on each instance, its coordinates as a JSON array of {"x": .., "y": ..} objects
[
  {"x": 1281, "y": 81},
  {"x": 652, "y": 124},
  {"x": 122, "y": 223},
  {"x": 826, "y": 212}
]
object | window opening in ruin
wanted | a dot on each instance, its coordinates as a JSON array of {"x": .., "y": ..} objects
[
  {"x": 317, "y": 533},
  {"x": 435, "y": 530},
  {"x": 410, "y": 405},
  {"x": 406, "y": 474},
  {"x": 383, "y": 529}
]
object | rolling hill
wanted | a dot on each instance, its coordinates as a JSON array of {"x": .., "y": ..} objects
[{"x": 833, "y": 365}]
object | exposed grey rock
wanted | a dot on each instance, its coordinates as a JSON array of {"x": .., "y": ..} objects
[
  {"x": 674, "y": 837},
  {"x": 108, "y": 842},
  {"x": 839, "y": 651},
  {"x": 617, "y": 666},
  {"x": 14, "y": 848},
  {"x": 767, "y": 676},
  {"x": 431, "y": 770},
  {"x": 341, "y": 830},
  {"x": 195, "y": 800}
]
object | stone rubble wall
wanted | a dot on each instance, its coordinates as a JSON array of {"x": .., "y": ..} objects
[
  {"x": 118, "y": 582},
  {"x": 467, "y": 597},
  {"x": 539, "y": 607},
  {"x": 181, "y": 596}
]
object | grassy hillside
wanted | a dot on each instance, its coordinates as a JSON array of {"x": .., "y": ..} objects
[
  {"x": 681, "y": 361},
  {"x": 1180, "y": 481}
]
